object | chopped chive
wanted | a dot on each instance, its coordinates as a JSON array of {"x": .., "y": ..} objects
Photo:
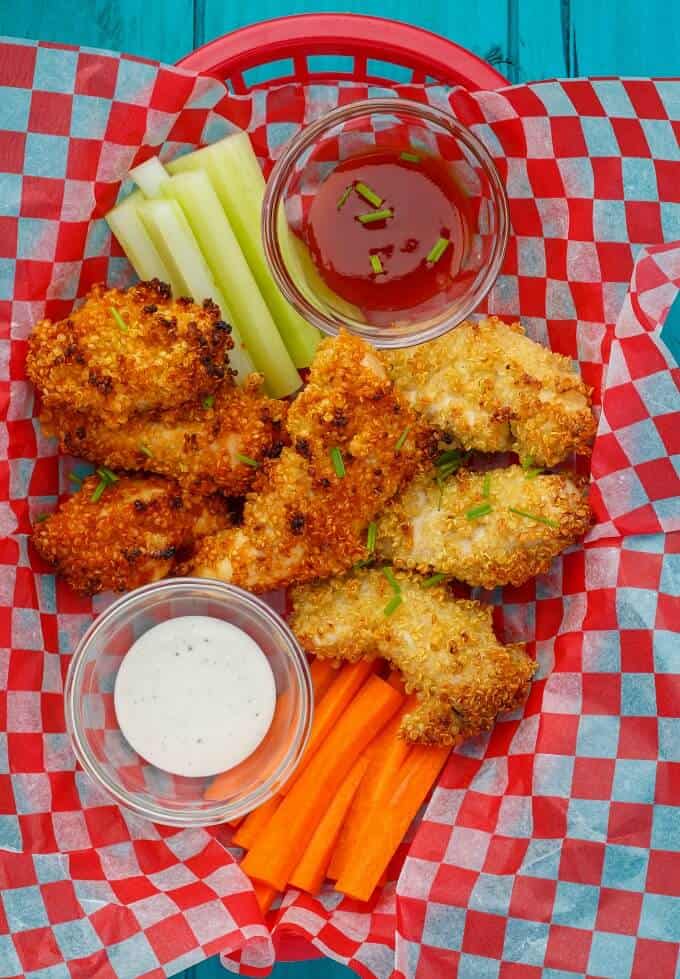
[
  {"x": 371, "y": 535},
  {"x": 107, "y": 475},
  {"x": 368, "y": 195},
  {"x": 120, "y": 322},
  {"x": 42, "y": 517},
  {"x": 393, "y": 604},
  {"x": 146, "y": 450},
  {"x": 533, "y": 472},
  {"x": 433, "y": 580},
  {"x": 75, "y": 478},
  {"x": 479, "y": 511},
  {"x": 389, "y": 574},
  {"x": 437, "y": 250},
  {"x": 376, "y": 264},
  {"x": 486, "y": 486},
  {"x": 409, "y": 157},
  {"x": 527, "y": 462},
  {"x": 533, "y": 516},
  {"x": 209, "y": 401},
  {"x": 402, "y": 439},
  {"x": 337, "y": 460},
  {"x": 97, "y": 495},
  {"x": 448, "y": 457},
  {"x": 373, "y": 216},
  {"x": 362, "y": 564},
  {"x": 248, "y": 461},
  {"x": 344, "y": 197}
]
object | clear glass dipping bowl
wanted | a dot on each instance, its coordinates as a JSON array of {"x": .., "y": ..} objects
[
  {"x": 113, "y": 764},
  {"x": 360, "y": 127}
]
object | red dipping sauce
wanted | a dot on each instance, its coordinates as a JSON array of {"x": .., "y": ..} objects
[{"x": 411, "y": 254}]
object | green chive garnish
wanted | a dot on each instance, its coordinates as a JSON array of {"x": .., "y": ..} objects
[
  {"x": 107, "y": 475},
  {"x": 533, "y": 516},
  {"x": 374, "y": 216},
  {"x": 371, "y": 535},
  {"x": 376, "y": 264},
  {"x": 393, "y": 604},
  {"x": 368, "y": 195},
  {"x": 389, "y": 574},
  {"x": 345, "y": 196},
  {"x": 97, "y": 495},
  {"x": 479, "y": 511},
  {"x": 533, "y": 472},
  {"x": 75, "y": 478},
  {"x": 409, "y": 157},
  {"x": 486, "y": 486},
  {"x": 337, "y": 460},
  {"x": 209, "y": 401},
  {"x": 120, "y": 322},
  {"x": 146, "y": 450},
  {"x": 527, "y": 462},
  {"x": 402, "y": 439},
  {"x": 41, "y": 518},
  {"x": 362, "y": 564},
  {"x": 437, "y": 250},
  {"x": 435, "y": 579},
  {"x": 449, "y": 457},
  {"x": 247, "y": 461}
]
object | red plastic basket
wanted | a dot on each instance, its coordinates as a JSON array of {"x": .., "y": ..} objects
[{"x": 361, "y": 39}]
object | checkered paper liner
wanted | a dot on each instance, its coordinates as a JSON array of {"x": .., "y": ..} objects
[{"x": 550, "y": 847}]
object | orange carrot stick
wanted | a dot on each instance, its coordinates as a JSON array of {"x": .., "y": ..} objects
[
  {"x": 255, "y": 821},
  {"x": 342, "y": 690},
  {"x": 395, "y": 680},
  {"x": 323, "y": 673},
  {"x": 311, "y": 870},
  {"x": 385, "y": 830},
  {"x": 390, "y": 752},
  {"x": 278, "y": 850},
  {"x": 264, "y": 894}
]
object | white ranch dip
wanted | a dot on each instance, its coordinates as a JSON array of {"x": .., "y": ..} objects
[{"x": 194, "y": 695}]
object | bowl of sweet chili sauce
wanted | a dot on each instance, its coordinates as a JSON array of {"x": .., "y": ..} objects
[{"x": 387, "y": 218}]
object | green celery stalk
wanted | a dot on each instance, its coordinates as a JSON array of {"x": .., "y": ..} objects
[
  {"x": 127, "y": 226},
  {"x": 196, "y": 195},
  {"x": 172, "y": 236},
  {"x": 149, "y": 176},
  {"x": 232, "y": 166}
]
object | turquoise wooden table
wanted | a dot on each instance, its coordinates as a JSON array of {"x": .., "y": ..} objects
[{"x": 526, "y": 39}]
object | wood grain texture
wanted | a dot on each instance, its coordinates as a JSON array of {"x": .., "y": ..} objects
[{"x": 626, "y": 37}]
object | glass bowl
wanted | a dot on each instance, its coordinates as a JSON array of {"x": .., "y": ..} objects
[
  {"x": 112, "y": 763},
  {"x": 361, "y": 127}
]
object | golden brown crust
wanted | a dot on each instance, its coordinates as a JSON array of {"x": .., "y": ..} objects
[
  {"x": 301, "y": 520},
  {"x": 197, "y": 445},
  {"x": 494, "y": 390},
  {"x": 427, "y": 529},
  {"x": 171, "y": 352},
  {"x": 445, "y": 648},
  {"x": 132, "y": 535}
]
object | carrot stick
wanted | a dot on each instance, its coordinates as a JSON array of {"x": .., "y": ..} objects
[
  {"x": 388, "y": 756},
  {"x": 342, "y": 690},
  {"x": 323, "y": 673},
  {"x": 386, "y": 829},
  {"x": 277, "y": 852},
  {"x": 264, "y": 894},
  {"x": 395, "y": 680},
  {"x": 310, "y": 871},
  {"x": 255, "y": 821}
]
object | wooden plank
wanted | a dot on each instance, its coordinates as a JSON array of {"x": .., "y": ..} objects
[
  {"x": 480, "y": 25},
  {"x": 160, "y": 29},
  {"x": 626, "y": 37},
  {"x": 543, "y": 40}
]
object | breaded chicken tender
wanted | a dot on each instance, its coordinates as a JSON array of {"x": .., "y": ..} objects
[
  {"x": 126, "y": 352},
  {"x": 205, "y": 447},
  {"x": 445, "y": 648},
  {"x": 495, "y": 390},
  {"x": 131, "y": 535},
  {"x": 496, "y": 528},
  {"x": 308, "y": 512}
]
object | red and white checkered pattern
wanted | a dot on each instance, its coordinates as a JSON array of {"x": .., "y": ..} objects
[{"x": 550, "y": 846}]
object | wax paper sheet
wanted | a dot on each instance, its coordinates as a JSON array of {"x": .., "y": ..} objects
[{"x": 550, "y": 847}]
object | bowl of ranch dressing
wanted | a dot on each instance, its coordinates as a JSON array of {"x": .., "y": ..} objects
[{"x": 189, "y": 701}]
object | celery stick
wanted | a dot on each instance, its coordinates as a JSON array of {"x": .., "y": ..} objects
[
  {"x": 233, "y": 168},
  {"x": 134, "y": 239},
  {"x": 172, "y": 236},
  {"x": 150, "y": 176},
  {"x": 196, "y": 195}
]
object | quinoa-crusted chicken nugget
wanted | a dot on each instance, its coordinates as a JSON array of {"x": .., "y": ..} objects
[
  {"x": 124, "y": 352},
  {"x": 130, "y": 536},
  {"x": 205, "y": 447},
  {"x": 530, "y": 519},
  {"x": 307, "y": 514},
  {"x": 444, "y": 647},
  {"x": 495, "y": 390}
]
